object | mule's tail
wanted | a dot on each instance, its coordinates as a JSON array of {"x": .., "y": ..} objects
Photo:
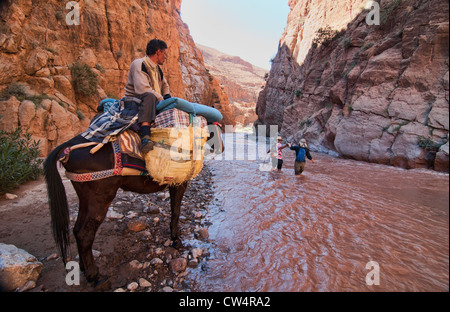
[{"x": 59, "y": 209}]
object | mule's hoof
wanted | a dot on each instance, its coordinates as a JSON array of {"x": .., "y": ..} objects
[
  {"x": 102, "y": 284},
  {"x": 177, "y": 244}
]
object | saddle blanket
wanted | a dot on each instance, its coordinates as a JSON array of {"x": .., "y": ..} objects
[
  {"x": 123, "y": 114},
  {"x": 113, "y": 121},
  {"x": 128, "y": 159},
  {"x": 175, "y": 118},
  {"x": 124, "y": 165}
]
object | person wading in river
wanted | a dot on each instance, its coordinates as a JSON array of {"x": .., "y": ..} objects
[
  {"x": 147, "y": 84},
  {"x": 301, "y": 150},
  {"x": 279, "y": 156}
]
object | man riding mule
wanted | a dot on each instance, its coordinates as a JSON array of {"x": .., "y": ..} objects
[
  {"x": 146, "y": 82},
  {"x": 143, "y": 91},
  {"x": 94, "y": 160}
]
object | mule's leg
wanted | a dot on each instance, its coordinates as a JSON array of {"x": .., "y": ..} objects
[
  {"x": 95, "y": 199},
  {"x": 176, "y": 195},
  {"x": 81, "y": 219}
]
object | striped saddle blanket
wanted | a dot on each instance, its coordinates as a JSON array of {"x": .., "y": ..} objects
[
  {"x": 128, "y": 159},
  {"x": 120, "y": 115}
]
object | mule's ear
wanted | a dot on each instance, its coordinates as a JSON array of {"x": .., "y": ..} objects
[{"x": 215, "y": 141}]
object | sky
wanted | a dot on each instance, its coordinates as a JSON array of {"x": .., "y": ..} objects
[{"x": 250, "y": 29}]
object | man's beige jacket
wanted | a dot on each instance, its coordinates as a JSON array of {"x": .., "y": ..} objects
[{"x": 139, "y": 81}]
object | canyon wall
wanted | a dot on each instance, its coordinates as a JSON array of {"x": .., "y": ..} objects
[
  {"x": 39, "y": 44},
  {"x": 376, "y": 93},
  {"x": 241, "y": 81}
]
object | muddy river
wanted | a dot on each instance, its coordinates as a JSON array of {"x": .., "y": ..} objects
[{"x": 342, "y": 225}]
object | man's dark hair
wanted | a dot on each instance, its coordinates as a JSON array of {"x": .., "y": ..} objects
[{"x": 154, "y": 45}]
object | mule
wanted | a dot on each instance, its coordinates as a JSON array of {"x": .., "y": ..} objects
[{"x": 94, "y": 199}]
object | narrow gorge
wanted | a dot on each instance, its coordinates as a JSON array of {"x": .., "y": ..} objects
[
  {"x": 241, "y": 81},
  {"x": 376, "y": 93}
]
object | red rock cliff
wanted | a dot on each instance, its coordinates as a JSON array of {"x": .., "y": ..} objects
[
  {"x": 377, "y": 93},
  {"x": 38, "y": 48}
]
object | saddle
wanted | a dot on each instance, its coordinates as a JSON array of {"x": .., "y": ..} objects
[{"x": 129, "y": 161}]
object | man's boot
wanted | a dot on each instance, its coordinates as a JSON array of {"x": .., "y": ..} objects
[{"x": 146, "y": 142}]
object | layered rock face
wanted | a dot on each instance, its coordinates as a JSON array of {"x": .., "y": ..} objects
[
  {"x": 39, "y": 44},
  {"x": 377, "y": 93},
  {"x": 241, "y": 80}
]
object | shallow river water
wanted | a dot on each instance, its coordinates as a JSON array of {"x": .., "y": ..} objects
[{"x": 343, "y": 225}]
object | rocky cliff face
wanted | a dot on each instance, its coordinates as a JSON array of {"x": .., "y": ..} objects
[
  {"x": 377, "y": 93},
  {"x": 38, "y": 49},
  {"x": 241, "y": 80}
]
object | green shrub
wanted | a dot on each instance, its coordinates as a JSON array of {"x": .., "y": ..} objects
[
  {"x": 367, "y": 46},
  {"x": 305, "y": 122},
  {"x": 428, "y": 144},
  {"x": 398, "y": 127},
  {"x": 15, "y": 89},
  {"x": 37, "y": 99},
  {"x": 100, "y": 68},
  {"x": 80, "y": 115},
  {"x": 384, "y": 16},
  {"x": 347, "y": 42},
  {"x": 84, "y": 80},
  {"x": 18, "y": 91},
  {"x": 325, "y": 36},
  {"x": 352, "y": 65},
  {"x": 60, "y": 16},
  {"x": 19, "y": 159}
]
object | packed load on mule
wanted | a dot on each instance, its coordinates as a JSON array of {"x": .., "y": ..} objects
[
  {"x": 183, "y": 145},
  {"x": 179, "y": 135}
]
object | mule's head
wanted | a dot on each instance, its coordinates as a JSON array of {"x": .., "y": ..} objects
[{"x": 215, "y": 138}]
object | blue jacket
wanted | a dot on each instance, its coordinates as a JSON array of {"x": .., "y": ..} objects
[{"x": 300, "y": 153}]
